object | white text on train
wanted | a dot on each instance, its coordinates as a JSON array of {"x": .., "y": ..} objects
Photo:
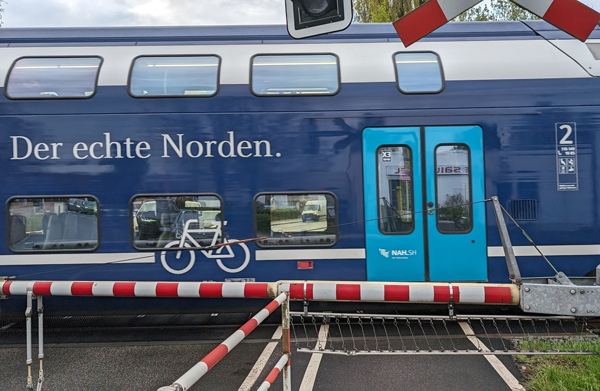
[
  {"x": 177, "y": 146},
  {"x": 225, "y": 148}
]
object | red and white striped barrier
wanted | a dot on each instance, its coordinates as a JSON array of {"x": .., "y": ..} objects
[
  {"x": 141, "y": 289},
  {"x": 428, "y": 17},
  {"x": 274, "y": 373},
  {"x": 197, "y": 371},
  {"x": 463, "y": 293},
  {"x": 570, "y": 16}
]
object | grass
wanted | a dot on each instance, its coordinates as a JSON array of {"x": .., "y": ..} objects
[{"x": 561, "y": 373}]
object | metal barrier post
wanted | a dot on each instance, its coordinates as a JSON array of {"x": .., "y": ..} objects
[
  {"x": 285, "y": 342},
  {"x": 40, "y": 309},
  {"x": 28, "y": 312},
  {"x": 511, "y": 261}
]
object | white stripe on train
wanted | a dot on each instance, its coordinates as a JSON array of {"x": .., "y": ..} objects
[{"x": 272, "y": 255}]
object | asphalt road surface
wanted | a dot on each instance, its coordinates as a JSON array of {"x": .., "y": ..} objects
[{"x": 144, "y": 353}]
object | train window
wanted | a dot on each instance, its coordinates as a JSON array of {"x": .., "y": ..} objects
[
  {"x": 40, "y": 224},
  {"x": 181, "y": 76},
  {"x": 453, "y": 188},
  {"x": 176, "y": 221},
  {"x": 419, "y": 72},
  {"x": 295, "y": 75},
  {"x": 53, "y": 78},
  {"x": 295, "y": 219},
  {"x": 395, "y": 189}
]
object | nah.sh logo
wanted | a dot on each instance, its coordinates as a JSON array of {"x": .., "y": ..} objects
[{"x": 404, "y": 252}]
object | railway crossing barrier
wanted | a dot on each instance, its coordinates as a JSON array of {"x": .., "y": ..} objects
[{"x": 192, "y": 376}]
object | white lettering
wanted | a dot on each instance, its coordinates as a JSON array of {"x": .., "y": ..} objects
[
  {"x": 128, "y": 143},
  {"x": 16, "y": 148},
  {"x": 109, "y": 145},
  {"x": 92, "y": 147},
  {"x": 178, "y": 149},
  {"x": 23, "y": 148},
  {"x": 229, "y": 142},
  {"x": 79, "y": 147},
  {"x": 54, "y": 150},
  {"x": 267, "y": 148},
  {"x": 142, "y": 146},
  {"x": 41, "y": 147},
  {"x": 189, "y": 146},
  {"x": 244, "y": 145},
  {"x": 208, "y": 149}
]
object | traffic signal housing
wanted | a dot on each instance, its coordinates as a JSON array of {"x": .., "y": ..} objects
[{"x": 307, "y": 18}]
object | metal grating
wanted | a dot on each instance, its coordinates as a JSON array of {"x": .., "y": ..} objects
[
  {"x": 362, "y": 334},
  {"x": 523, "y": 209}
]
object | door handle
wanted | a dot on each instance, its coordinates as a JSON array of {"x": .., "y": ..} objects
[{"x": 430, "y": 210}]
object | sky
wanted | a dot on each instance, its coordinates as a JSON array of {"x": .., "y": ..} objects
[{"x": 97, "y": 13}]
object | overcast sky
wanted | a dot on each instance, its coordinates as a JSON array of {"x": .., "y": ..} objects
[{"x": 90, "y": 13}]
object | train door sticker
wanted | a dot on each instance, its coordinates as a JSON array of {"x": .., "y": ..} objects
[
  {"x": 566, "y": 156},
  {"x": 213, "y": 251}
]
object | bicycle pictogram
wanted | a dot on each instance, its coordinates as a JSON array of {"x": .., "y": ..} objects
[{"x": 186, "y": 239}]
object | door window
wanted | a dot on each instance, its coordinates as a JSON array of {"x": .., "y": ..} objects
[
  {"x": 453, "y": 188},
  {"x": 395, "y": 194}
]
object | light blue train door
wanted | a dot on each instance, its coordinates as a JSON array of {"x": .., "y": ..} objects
[{"x": 424, "y": 221}]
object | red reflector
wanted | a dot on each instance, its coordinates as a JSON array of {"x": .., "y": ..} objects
[{"x": 305, "y": 264}]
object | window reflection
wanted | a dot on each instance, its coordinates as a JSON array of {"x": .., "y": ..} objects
[
  {"x": 453, "y": 183},
  {"x": 53, "y": 224},
  {"x": 418, "y": 72},
  {"x": 395, "y": 205},
  {"x": 174, "y": 76},
  {"x": 296, "y": 219},
  {"x": 158, "y": 220},
  {"x": 295, "y": 75},
  {"x": 51, "y": 78}
]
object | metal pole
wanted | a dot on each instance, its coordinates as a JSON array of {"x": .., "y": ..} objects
[
  {"x": 285, "y": 342},
  {"x": 511, "y": 261},
  {"x": 40, "y": 309},
  {"x": 28, "y": 331}
]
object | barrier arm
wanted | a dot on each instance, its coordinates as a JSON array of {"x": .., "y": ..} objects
[
  {"x": 190, "y": 378},
  {"x": 282, "y": 363}
]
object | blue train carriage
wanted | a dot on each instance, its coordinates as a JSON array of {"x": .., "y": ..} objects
[{"x": 135, "y": 153}]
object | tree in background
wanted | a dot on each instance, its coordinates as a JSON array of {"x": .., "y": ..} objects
[
  {"x": 500, "y": 10},
  {"x": 382, "y": 11}
]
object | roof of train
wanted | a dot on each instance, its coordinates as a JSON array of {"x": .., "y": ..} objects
[{"x": 384, "y": 32}]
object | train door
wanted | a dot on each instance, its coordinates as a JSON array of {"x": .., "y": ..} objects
[{"x": 421, "y": 222}]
